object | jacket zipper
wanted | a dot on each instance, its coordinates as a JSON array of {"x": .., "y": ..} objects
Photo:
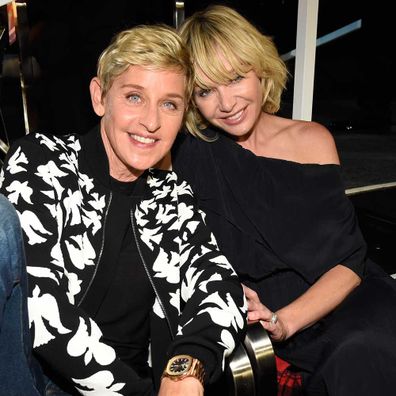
[
  {"x": 149, "y": 276},
  {"x": 100, "y": 252}
]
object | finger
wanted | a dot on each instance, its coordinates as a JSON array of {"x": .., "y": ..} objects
[
  {"x": 254, "y": 316},
  {"x": 250, "y": 321},
  {"x": 250, "y": 293},
  {"x": 260, "y": 314},
  {"x": 276, "y": 331},
  {"x": 256, "y": 306},
  {"x": 267, "y": 326},
  {"x": 272, "y": 329}
]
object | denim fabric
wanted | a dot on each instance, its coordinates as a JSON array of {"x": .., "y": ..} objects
[{"x": 18, "y": 369}]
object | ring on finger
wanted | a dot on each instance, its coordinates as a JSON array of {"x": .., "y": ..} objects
[{"x": 274, "y": 318}]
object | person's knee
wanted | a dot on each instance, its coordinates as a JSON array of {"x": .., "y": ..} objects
[{"x": 355, "y": 349}]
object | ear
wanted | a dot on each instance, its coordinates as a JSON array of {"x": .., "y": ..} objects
[{"x": 96, "y": 97}]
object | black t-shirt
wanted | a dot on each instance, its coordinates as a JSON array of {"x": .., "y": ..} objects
[{"x": 124, "y": 313}]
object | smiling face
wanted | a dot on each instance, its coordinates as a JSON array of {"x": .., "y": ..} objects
[
  {"x": 234, "y": 107},
  {"x": 142, "y": 113},
  {"x": 223, "y": 44}
]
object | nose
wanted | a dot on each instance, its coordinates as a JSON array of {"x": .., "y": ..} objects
[
  {"x": 226, "y": 99},
  {"x": 150, "y": 118}
]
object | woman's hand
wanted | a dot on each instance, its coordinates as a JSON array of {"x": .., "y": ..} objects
[
  {"x": 317, "y": 302},
  {"x": 188, "y": 386},
  {"x": 259, "y": 312}
]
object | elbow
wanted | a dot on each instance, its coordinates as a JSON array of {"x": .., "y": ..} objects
[
  {"x": 354, "y": 280},
  {"x": 357, "y": 281},
  {"x": 349, "y": 278}
]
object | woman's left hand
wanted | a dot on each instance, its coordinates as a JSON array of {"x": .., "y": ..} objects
[{"x": 268, "y": 319}]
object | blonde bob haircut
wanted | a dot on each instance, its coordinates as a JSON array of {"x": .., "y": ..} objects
[
  {"x": 221, "y": 30},
  {"x": 157, "y": 47}
]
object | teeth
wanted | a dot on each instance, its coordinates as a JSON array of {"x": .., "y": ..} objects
[
  {"x": 142, "y": 139},
  {"x": 236, "y": 116}
]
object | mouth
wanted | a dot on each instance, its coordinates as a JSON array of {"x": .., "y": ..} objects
[
  {"x": 235, "y": 118},
  {"x": 142, "y": 139}
]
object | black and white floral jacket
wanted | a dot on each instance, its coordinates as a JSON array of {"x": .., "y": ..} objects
[{"x": 55, "y": 184}]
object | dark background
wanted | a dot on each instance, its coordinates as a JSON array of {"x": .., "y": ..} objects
[{"x": 354, "y": 77}]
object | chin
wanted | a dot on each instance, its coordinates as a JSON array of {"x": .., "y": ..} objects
[
  {"x": 237, "y": 134},
  {"x": 237, "y": 130}
]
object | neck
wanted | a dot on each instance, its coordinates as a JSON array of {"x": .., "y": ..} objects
[{"x": 257, "y": 136}]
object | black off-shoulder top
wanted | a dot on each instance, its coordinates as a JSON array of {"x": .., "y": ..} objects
[{"x": 282, "y": 224}]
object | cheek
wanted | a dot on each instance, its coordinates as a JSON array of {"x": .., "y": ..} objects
[
  {"x": 206, "y": 107},
  {"x": 112, "y": 116},
  {"x": 120, "y": 114},
  {"x": 174, "y": 127},
  {"x": 259, "y": 92}
]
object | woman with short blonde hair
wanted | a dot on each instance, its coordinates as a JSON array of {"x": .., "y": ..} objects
[
  {"x": 272, "y": 193},
  {"x": 226, "y": 32}
]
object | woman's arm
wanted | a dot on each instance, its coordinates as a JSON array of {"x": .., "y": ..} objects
[
  {"x": 213, "y": 318},
  {"x": 318, "y": 301}
]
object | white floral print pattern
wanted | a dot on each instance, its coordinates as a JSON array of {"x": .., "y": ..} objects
[{"x": 63, "y": 211}]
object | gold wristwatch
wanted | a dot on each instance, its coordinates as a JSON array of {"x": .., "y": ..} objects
[{"x": 183, "y": 366}]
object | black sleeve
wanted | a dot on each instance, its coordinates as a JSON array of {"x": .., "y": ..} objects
[{"x": 311, "y": 223}]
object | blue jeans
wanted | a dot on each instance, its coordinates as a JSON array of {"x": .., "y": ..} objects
[{"x": 19, "y": 371}]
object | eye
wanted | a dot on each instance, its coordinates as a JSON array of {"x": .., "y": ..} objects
[
  {"x": 236, "y": 79},
  {"x": 170, "y": 105},
  {"x": 203, "y": 93},
  {"x": 134, "y": 98}
]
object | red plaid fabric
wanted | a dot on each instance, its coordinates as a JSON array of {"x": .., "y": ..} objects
[{"x": 289, "y": 381}]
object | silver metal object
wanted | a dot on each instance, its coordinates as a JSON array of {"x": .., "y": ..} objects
[
  {"x": 241, "y": 381},
  {"x": 262, "y": 357},
  {"x": 178, "y": 16},
  {"x": 251, "y": 369}
]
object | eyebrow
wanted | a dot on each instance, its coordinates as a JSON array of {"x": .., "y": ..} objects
[
  {"x": 176, "y": 96},
  {"x": 170, "y": 95},
  {"x": 198, "y": 88},
  {"x": 136, "y": 86}
]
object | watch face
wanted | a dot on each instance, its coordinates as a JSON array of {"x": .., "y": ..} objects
[{"x": 179, "y": 365}]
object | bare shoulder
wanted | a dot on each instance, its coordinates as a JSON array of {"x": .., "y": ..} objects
[
  {"x": 305, "y": 142},
  {"x": 313, "y": 143}
]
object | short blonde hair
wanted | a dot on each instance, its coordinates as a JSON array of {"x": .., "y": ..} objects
[
  {"x": 222, "y": 29},
  {"x": 153, "y": 46}
]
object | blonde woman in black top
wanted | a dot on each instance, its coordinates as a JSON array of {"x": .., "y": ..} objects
[{"x": 273, "y": 195}]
